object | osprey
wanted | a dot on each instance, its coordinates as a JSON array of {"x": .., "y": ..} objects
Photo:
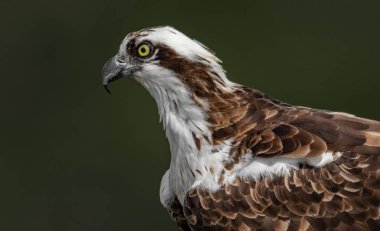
[{"x": 241, "y": 160}]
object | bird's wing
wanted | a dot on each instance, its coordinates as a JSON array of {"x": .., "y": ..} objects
[
  {"x": 342, "y": 195},
  {"x": 260, "y": 125},
  {"x": 306, "y": 132}
]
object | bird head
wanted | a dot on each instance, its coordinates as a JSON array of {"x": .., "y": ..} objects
[
  {"x": 183, "y": 76},
  {"x": 164, "y": 59}
]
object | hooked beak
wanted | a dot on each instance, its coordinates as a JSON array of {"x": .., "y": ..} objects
[{"x": 113, "y": 70}]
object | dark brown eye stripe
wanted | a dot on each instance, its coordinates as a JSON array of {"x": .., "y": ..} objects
[{"x": 131, "y": 46}]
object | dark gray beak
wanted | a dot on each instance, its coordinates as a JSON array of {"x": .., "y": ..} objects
[{"x": 113, "y": 70}]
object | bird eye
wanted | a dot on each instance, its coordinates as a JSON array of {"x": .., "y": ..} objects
[{"x": 144, "y": 50}]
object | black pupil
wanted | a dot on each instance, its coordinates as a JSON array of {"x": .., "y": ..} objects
[{"x": 143, "y": 49}]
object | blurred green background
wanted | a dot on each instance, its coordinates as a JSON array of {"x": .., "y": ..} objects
[{"x": 75, "y": 158}]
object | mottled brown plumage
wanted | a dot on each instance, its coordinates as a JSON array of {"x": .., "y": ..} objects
[{"x": 343, "y": 195}]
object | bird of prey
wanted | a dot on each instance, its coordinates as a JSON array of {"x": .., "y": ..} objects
[{"x": 241, "y": 160}]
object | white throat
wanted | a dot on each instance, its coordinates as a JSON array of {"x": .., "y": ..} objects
[{"x": 183, "y": 120}]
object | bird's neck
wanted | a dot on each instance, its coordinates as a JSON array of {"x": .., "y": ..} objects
[
  {"x": 186, "y": 128},
  {"x": 185, "y": 113}
]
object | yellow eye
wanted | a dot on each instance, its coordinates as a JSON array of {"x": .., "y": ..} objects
[{"x": 144, "y": 50}]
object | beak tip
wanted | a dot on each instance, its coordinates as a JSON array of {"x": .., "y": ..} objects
[{"x": 107, "y": 89}]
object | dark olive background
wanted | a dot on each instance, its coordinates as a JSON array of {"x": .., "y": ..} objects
[{"x": 75, "y": 158}]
